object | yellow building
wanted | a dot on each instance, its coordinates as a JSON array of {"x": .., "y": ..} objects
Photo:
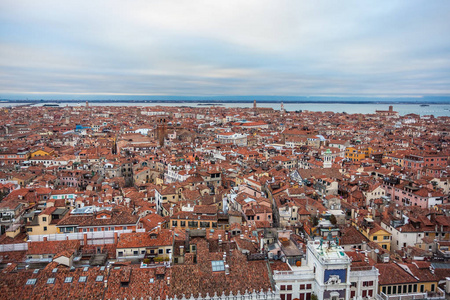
[
  {"x": 43, "y": 152},
  {"x": 397, "y": 280},
  {"x": 188, "y": 220},
  {"x": 45, "y": 221},
  {"x": 373, "y": 232},
  {"x": 357, "y": 153},
  {"x": 153, "y": 245}
]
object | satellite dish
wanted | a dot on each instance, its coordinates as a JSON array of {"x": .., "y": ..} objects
[{"x": 377, "y": 251}]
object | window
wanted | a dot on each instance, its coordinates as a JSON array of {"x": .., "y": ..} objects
[
  {"x": 174, "y": 223},
  {"x": 51, "y": 280},
  {"x": 44, "y": 219},
  {"x": 384, "y": 246},
  {"x": 217, "y": 265},
  {"x": 120, "y": 253},
  {"x": 31, "y": 281},
  {"x": 308, "y": 286},
  {"x": 151, "y": 280},
  {"x": 182, "y": 223},
  {"x": 82, "y": 279},
  {"x": 68, "y": 279},
  {"x": 135, "y": 252},
  {"x": 168, "y": 251},
  {"x": 282, "y": 287},
  {"x": 160, "y": 251},
  {"x": 289, "y": 288},
  {"x": 385, "y": 237},
  {"x": 29, "y": 229},
  {"x": 45, "y": 228},
  {"x": 353, "y": 284},
  {"x": 375, "y": 238}
]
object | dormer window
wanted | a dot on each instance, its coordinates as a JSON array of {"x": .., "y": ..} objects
[{"x": 217, "y": 265}]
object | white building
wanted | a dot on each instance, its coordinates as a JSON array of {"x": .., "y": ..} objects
[
  {"x": 327, "y": 272},
  {"x": 175, "y": 173},
  {"x": 324, "y": 272},
  {"x": 232, "y": 138}
]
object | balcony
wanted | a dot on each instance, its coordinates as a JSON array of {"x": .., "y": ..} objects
[
  {"x": 305, "y": 274},
  {"x": 438, "y": 295}
]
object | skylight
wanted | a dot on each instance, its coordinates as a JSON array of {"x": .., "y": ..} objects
[
  {"x": 31, "y": 281},
  {"x": 99, "y": 278},
  {"x": 36, "y": 271},
  {"x": 85, "y": 269},
  {"x": 82, "y": 279},
  {"x": 68, "y": 279},
  {"x": 217, "y": 265},
  {"x": 55, "y": 270},
  {"x": 51, "y": 280}
]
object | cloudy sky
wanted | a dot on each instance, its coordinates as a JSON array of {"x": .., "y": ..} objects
[{"x": 210, "y": 48}]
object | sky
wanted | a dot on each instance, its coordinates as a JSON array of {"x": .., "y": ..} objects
[{"x": 207, "y": 48}]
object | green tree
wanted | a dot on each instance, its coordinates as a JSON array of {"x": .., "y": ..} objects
[{"x": 333, "y": 219}]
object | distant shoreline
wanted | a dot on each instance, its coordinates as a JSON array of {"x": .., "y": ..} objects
[{"x": 219, "y": 102}]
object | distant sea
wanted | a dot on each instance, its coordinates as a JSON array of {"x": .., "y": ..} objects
[{"x": 351, "y": 108}]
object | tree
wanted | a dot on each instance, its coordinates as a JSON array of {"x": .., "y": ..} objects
[
  {"x": 333, "y": 219},
  {"x": 314, "y": 297},
  {"x": 315, "y": 221}
]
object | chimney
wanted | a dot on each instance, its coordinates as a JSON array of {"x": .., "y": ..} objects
[
  {"x": 115, "y": 237},
  {"x": 85, "y": 239},
  {"x": 181, "y": 250},
  {"x": 45, "y": 238},
  {"x": 447, "y": 285}
]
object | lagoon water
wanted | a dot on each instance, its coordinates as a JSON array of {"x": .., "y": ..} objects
[{"x": 352, "y": 108}]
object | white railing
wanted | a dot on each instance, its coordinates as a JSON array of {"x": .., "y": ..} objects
[
  {"x": 438, "y": 295},
  {"x": 363, "y": 271},
  {"x": 92, "y": 237},
  {"x": 13, "y": 247},
  {"x": 282, "y": 275},
  {"x": 248, "y": 295}
]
